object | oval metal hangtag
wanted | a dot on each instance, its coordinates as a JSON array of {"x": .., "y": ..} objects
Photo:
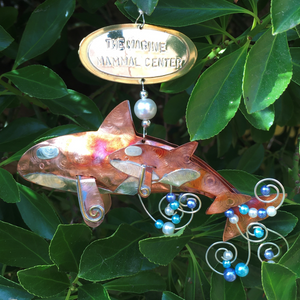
[{"x": 125, "y": 53}]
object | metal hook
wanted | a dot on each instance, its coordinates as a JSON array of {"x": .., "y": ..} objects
[{"x": 141, "y": 13}]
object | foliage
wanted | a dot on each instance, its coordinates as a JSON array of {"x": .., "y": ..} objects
[{"x": 242, "y": 102}]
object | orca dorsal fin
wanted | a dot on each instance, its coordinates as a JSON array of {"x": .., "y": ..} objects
[
  {"x": 187, "y": 149},
  {"x": 119, "y": 121}
]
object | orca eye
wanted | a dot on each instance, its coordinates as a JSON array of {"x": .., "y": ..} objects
[{"x": 47, "y": 152}]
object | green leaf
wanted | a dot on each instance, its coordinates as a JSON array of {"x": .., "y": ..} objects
[
  {"x": 38, "y": 81},
  {"x": 284, "y": 223},
  {"x": 43, "y": 28},
  {"x": 139, "y": 283},
  {"x": 178, "y": 13},
  {"x": 5, "y": 101},
  {"x": 22, "y": 248},
  {"x": 180, "y": 84},
  {"x": 8, "y": 16},
  {"x": 121, "y": 215},
  {"x": 262, "y": 119},
  {"x": 175, "y": 108},
  {"x": 196, "y": 285},
  {"x": 156, "y": 130},
  {"x": 104, "y": 259},
  {"x": 92, "y": 6},
  {"x": 278, "y": 282},
  {"x": 224, "y": 140},
  {"x": 51, "y": 133},
  {"x": 291, "y": 259},
  {"x": 252, "y": 158},
  {"x": 77, "y": 107},
  {"x": 169, "y": 247},
  {"x": 95, "y": 291},
  {"x": 9, "y": 191},
  {"x": 11, "y": 290},
  {"x": 268, "y": 71},
  {"x": 5, "y": 39},
  {"x": 170, "y": 296},
  {"x": 224, "y": 290},
  {"x": 147, "y": 6},
  {"x": 295, "y": 53},
  {"x": 285, "y": 14},
  {"x": 241, "y": 180},
  {"x": 67, "y": 246},
  {"x": 37, "y": 213},
  {"x": 18, "y": 133},
  {"x": 216, "y": 96},
  {"x": 43, "y": 281},
  {"x": 262, "y": 136},
  {"x": 284, "y": 108},
  {"x": 210, "y": 27}
]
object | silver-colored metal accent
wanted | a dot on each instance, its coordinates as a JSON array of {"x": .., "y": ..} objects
[
  {"x": 216, "y": 253},
  {"x": 128, "y": 187},
  {"x": 273, "y": 244},
  {"x": 144, "y": 189},
  {"x": 47, "y": 152},
  {"x": 141, "y": 14},
  {"x": 271, "y": 186},
  {"x": 53, "y": 181},
  {"x": 179, "y": 177},
  {"x": 146, "y": 208},
  {"x": 130, "y": 168},
  {"x": 133, "y": 151},
  {"x": 91, "y": 214}
]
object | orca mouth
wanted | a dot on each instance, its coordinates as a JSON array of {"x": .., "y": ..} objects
[{"x": 52, "y": 181}]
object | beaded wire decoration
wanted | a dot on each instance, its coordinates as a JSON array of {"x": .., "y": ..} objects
[{"x": 255, "y": 233}]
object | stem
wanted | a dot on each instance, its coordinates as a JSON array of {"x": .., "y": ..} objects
[
  {"x": 3, "y": 270},
  {"x": 101, "y": 90},
  {"x": 17, "y": 92},
  {"x": 71, "y": 288},
  {"x": 191, "y": 253},
  {"x": 253, "y": 15},
  {"x": 295, "y": 170},
  {"x": 208, "y": 39}
]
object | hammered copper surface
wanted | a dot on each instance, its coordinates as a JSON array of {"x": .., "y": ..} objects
[{"x": 102, "y": 155}]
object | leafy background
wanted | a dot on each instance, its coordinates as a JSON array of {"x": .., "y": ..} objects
[{"x": 241, "y": 101}]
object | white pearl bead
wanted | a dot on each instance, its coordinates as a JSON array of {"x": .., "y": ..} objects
[
  {"x": 168, "y": 228},
  {"x": 271, "y": 211},
  {"x": 227, "y": 255},
  {"x": 145, "y": 109},
  {"x": 252, "y": 212},
  {"x": 169, "y": 211},
  {"x": 271, "y": 261},
  {"x": 234, "y": 219}
]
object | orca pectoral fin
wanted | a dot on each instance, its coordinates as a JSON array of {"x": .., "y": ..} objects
[{"x": 92, "y": 204}]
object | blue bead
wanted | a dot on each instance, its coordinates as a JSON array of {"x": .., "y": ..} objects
[
  {"x": 159, "y": 224},
  {"x": 182, "y": 198},
  {"x": 241, "y": 270},
  {"x": 244, "y": 209},
  {"x": 176, "y": 219},
  {"x": 229, "y": 213},
  {"x": 262, "y": 213},
  {"x": 171, "y": 197},
  {"x": 269, "y": 254},
  {"x": 174, "y": 205},
  {"x": 191, "y": 203},
  {"x": 226, "y": 264},
  {"x": 259, "y": 232},
  {"x": 265, "y": 190},
  {"x": 229, "y": 274}
]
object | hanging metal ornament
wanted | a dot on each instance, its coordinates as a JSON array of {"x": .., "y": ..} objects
[{"x": 118, "y": 160}]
